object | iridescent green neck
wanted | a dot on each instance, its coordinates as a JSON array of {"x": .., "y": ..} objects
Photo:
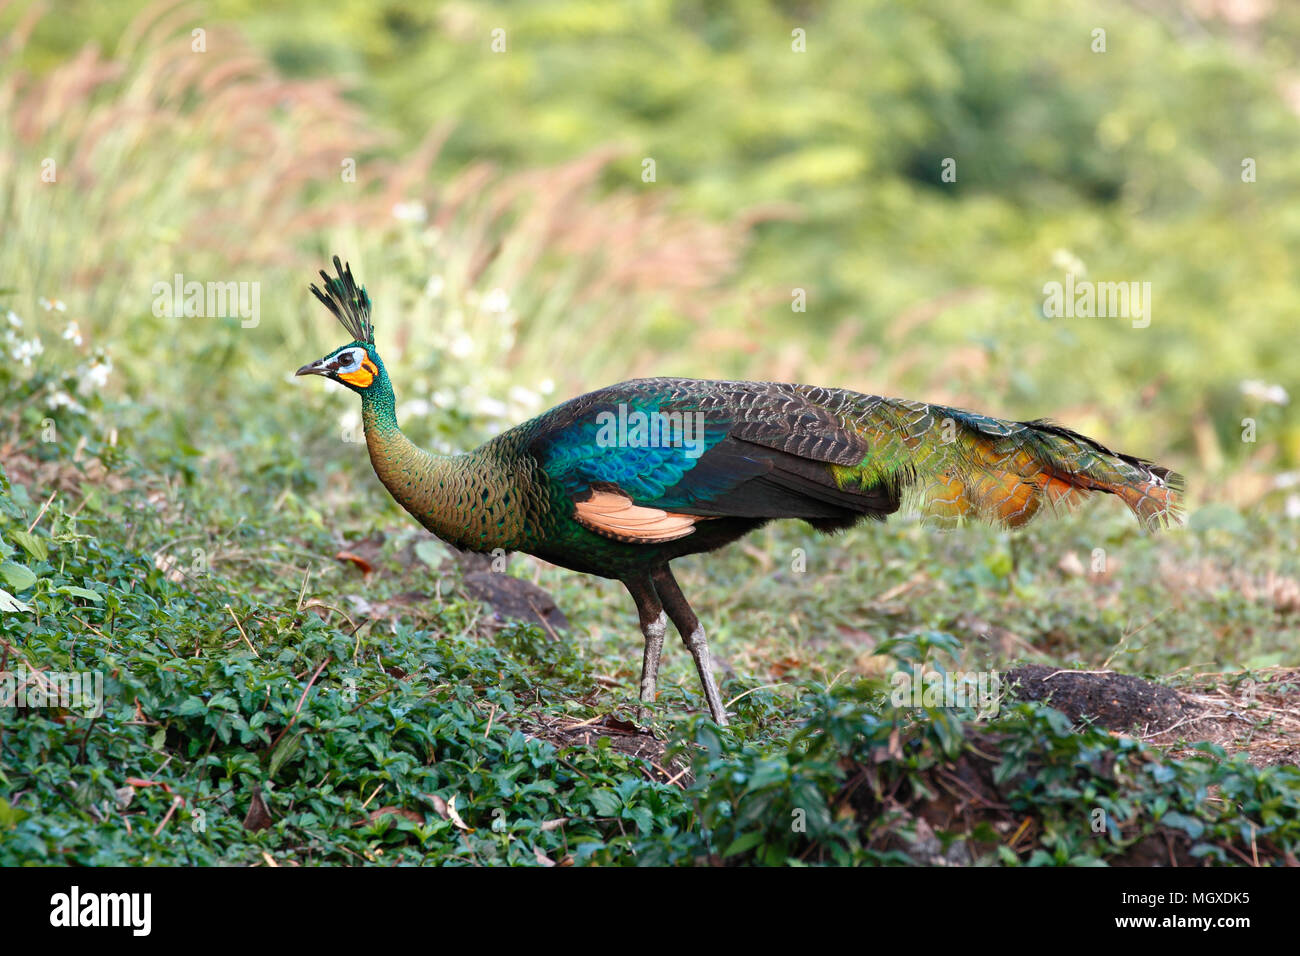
[
  {"x": 379, "y": 408},
  {"x": 460, "y": 498}
]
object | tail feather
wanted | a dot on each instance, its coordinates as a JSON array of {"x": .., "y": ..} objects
[
  {"x": 954, "y": 466},
  {"x": 1153, "y": 493}
]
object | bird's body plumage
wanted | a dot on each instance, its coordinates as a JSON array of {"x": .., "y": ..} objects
[
  {"x": 754, "y": 451},
  {"x": 620, "y": 481}
]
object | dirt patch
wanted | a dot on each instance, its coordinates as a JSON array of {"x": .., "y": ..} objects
[{"x": 1256, "y": 714}]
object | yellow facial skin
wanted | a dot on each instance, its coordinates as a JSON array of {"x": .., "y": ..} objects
[{"x": 362, "y": 377}]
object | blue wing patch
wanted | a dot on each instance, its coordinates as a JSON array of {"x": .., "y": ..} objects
[{"x": 656, "y": 455}]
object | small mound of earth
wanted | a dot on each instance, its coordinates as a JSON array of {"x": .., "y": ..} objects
[
  {"x": 510, "y": 598},
  {"x": 1118, "y": 702},
  {"x": 514, "y": 599},
  {"x": 507, "y": 598}
]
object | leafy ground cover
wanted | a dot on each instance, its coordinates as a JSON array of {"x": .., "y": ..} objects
[{"x": 268, "y": 704}]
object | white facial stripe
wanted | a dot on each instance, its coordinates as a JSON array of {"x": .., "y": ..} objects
[{"x": 348, "y": 361}]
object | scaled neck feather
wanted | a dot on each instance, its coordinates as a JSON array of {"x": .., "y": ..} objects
[{"x": 451, "y": 495}]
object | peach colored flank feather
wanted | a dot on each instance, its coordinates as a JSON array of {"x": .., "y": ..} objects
[{"x": 615, "y": 516}]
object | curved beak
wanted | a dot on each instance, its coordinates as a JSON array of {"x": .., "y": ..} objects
[{"x": 313, "y": 368}]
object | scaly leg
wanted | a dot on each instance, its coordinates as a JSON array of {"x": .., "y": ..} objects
[
  {"x": 688, "y": 625},
  {"x": 654, "y": 625}
]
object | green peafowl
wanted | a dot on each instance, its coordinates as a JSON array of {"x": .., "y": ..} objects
[{"x": 621, "y": 481}]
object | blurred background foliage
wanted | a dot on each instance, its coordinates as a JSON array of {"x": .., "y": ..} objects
[{"x": 775, "y": 170}]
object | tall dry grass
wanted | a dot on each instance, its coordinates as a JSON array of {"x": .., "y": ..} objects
[{"x": 167, "y": 159}]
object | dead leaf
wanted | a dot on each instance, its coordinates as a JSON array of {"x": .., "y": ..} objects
[
  {"x": 621, "y": 726},
  {"x": 169, "y": 566},
  {"x": 259, "y": 815},
  {"x": 1070, "y": 564},
  {"x": 447, "y": 810},
  {"x": 357, "y": 560},
  {"x": 455, "y": 817},
  {"x": 779, "y": 669}
]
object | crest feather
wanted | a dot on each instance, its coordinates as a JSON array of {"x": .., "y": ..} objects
[{"x": 348, "y": 302}]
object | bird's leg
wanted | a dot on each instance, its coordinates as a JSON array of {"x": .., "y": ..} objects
[
  {"x": 688, "y": 625},
  {"x": 653, "y": 625}
]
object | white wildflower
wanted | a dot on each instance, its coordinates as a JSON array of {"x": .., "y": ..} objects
[
  {"x": 434, "y": 288},
  {"x": 410, "y": 211},
  {"x": 546, "y": 386},
  {"x": 1264, "y": 392},
  {"x": 462, "y": 346},
  {"x": 1293, "y": 506},
  {"x": 524, "y": 397},
  {"x": 72, "y": 333},
  {"x": 14, "y": 321},
  {"x": 415, "y": 408},
  {"x": 62, "y": 399},
  {"x": 491, "y": 407},
  {"x": 1067, "y": 261},
  {"x": 26, "y": 350},
  {"x": 94, "y": 374},
  {"x": 498, "y": 301}
]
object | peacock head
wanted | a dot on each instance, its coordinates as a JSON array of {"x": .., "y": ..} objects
[{"x": 356, "y": 364}]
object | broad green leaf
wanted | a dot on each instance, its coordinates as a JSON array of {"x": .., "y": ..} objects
[
  {"x": 32, "y": 544},
  {"x": 11, "y": 816},
  {"x": 744, "y": 842},
  {"x": 74, "y": 591},
  {"x": 606, "y": 803},
  {"x": 16, "y": 576},
  {"x": 283, "y": 751}
]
